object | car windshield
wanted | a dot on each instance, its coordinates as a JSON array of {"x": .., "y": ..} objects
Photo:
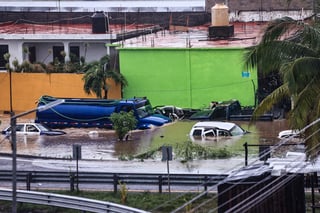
[
  {"x": 236, "y": 130},
  {"x": 144, "y": 111},
  {"x": 42, "y": 127},
  {"x": 19, "y": 128}
]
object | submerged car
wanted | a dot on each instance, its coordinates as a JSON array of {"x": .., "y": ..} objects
[
  {"x": 290, "y": 133},
  {"x": 214, "y": 129},
  {"x": 230, "y": 110},
  {"x": 175, "y": 113},
  {"x": 172, "y": 112},
  {"x": 32, "y": 129}
]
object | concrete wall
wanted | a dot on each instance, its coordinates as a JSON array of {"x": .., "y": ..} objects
[
  {"x": 264, "y": 10},
  {"x": 259, "y": 5},
  {"x": 187, "y": 77},
  {"x": 28, "y": 87}
]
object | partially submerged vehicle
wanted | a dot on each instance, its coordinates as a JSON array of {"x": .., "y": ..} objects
[
  {"x": 87, "y": 112},
  {"x": 174, "y": 112},
  {"x": 290, "y": 133},
  {"x": 215, "y": 129},
  {"x": 230, "y": 110},
  {"x": 32, "y": 129}
]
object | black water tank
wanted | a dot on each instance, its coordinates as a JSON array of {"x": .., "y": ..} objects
[{"x": 99, "y": 22}]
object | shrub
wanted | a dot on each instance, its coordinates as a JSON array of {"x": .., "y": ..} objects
[{"x": 122, "y": 123}]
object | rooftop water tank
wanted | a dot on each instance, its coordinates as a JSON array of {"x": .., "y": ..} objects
[
  {"x": 99, "y": 22},
  {"x": 220, "y": 15},
  {"x": 220, "y": 27}
]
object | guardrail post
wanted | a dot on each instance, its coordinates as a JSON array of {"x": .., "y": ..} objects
[
  {"x": 316, "y": 184},
  {"x": 28, "y": 180},
  {"x": 206, "y": 183},
  {"x": 246, "y": 153},
  {"x": 160, "y": 183},
  {"x": 115, "y": 183},
  {"x": 72, "y": 182}
]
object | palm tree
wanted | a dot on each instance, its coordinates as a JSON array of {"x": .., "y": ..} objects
[
  {"x": 96, "y": 74},
  {"x": 292, "y": 48}
]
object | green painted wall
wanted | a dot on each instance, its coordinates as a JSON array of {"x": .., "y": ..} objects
[{"x": 186, "y": 77}]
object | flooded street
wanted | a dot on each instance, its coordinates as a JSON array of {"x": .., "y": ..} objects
[{"x": 103, "y": 145}]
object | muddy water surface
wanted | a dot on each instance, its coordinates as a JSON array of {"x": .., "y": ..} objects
[{"x": 103, "y": 144}]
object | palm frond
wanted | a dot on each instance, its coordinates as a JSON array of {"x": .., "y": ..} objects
[
  {"x": 280, "y": 27},
  {"x": 306, "y": 105},
  {"x": 291, "y": 48},
  {"x": 300, "y": 73},
  {"x": 96, "y": 74},
  {"x": 310, "y": 37},
  {"x": 266, "y": 104}
]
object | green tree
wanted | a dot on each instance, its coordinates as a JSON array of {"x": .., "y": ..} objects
[
  {"x": 292, "y": 48},
  {"x": 123, "y": 123},
  {"x": 96, "y": 74}
]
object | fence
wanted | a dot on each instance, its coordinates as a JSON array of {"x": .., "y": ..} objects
[
  {"x": 113, "y": 179},
  {"x": 264, "y": 150}
]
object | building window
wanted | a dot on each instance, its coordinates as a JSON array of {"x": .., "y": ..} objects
[
  {"x": 74, "y": 54},
  {"x": 57, "y": 50},
  {"x": 3, "y": 50}
]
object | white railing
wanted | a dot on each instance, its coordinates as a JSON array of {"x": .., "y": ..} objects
[{"x": 65, "y": 201}]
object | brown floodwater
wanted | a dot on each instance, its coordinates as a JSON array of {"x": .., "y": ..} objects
[{"x": 103, "y": 144}]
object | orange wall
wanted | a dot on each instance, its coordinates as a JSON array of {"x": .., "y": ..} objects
[{"x": 28, "y": 87}]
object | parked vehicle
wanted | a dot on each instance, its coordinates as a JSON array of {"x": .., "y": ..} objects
[
  {"x": 32, "y": 129},
  {"x": 290, "y": 133},
  {"x": 172, "y": 112},
  {"x": 86, "y": 112},
  {"x": 213, "y": 129},
  {"x": 228, "y": 110},
  {"x": 175, "y": 113}
]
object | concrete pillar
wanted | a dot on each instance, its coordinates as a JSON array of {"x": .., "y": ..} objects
[
  {"x": 67, "y": 51},
  {"x": 16, "y": 51}
]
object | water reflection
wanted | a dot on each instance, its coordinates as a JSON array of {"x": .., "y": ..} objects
[{"x": 103, "y": 145}]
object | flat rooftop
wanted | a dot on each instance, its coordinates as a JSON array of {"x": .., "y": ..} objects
[{"x": 245, "y": 34}]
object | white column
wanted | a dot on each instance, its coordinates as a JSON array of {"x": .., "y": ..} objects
[
  {"x": 67, "y": 51},
  {"x": 16, "y": 51}
]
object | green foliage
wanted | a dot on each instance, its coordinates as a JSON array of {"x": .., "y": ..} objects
[
  {"x": 148, "y": 154},
  {"x": 291, "y": 48},
  {"x": 96, "y": 75},
  {"x": 123, "y": 122},
  {"x": 189, "y": 151},
  {"x": 123, "y": 192},
  {"x": 125, "y": 157},
  {"x": 148, "y": 201}
]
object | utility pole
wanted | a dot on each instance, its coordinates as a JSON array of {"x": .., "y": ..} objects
[{"x": 13, "y": 124}]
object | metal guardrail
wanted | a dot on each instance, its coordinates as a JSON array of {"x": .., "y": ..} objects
[
  {"x": 65, "y": 201},
  {"x": 114, "y": 179}
]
